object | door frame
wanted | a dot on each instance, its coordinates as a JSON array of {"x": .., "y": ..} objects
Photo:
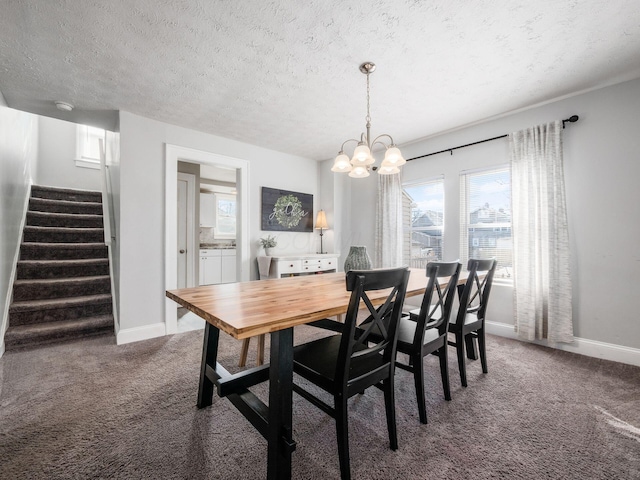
[
  {"x": 173, "y": 153},
  {"x": 190, "y": 260}
]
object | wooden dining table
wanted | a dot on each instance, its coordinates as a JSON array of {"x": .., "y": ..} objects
[{"x": 274, "y": 306}]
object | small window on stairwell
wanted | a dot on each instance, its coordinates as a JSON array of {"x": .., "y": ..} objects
[{"x": 88, "y": 146}]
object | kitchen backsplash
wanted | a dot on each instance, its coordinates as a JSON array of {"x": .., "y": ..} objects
[{"x": 207, "y": 238}]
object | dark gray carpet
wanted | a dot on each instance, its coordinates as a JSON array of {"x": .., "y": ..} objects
[{"x": 91, "y": 409}]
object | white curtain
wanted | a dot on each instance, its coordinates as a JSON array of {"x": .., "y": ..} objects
[
  {"x": 542, "y": 281},
  {"x": 389, "y": 222}
]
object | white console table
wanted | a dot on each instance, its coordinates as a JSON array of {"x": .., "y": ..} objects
[{"x": 298, "y": 264}]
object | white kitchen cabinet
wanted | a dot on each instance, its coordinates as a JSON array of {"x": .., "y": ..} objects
[
  {"x": 217, "y": 266},
  {"x": 228, "y": 266}
]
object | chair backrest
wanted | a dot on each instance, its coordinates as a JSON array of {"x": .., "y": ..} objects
[
  {"x": 474, "y": 295},
  {"x": 435, "y": 312},
  {"x": 355, "y": 343}
]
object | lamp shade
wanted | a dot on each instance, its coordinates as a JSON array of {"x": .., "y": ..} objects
[
  {"x": 341, "y": 163},
  {"x": 359, "y": 172},
  {"x": 388, "y": 169},
  {"x": 393, "y": 157},
  {"x": 362, "y": 156},
  {"x": 321, "y": 220}
]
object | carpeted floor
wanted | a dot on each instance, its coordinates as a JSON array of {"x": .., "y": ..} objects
[{"x": 91, "y": 409}]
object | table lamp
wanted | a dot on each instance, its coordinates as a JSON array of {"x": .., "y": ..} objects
[{"x": 321, "y": 224}]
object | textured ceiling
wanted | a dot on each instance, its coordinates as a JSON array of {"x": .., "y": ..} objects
[{"x": 284, "y": 74}]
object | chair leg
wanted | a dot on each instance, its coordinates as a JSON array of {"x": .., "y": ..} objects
[
  {"x": 444, "y": 371},
  {"x": 261, "y": 349},
  {"x": 483, "y": 350},
  {"x": 243, "y": 352},
  {"x": 461, "y": 358},
  {"x": 418, "y": 378},
  {"x": 472, "y": 351},
  {"x": 342, "y": 432},
  {"x": 390, "y": 407}
]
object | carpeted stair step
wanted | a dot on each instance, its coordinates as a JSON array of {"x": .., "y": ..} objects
[
  {"x": 31, "y": 269},
  {"x": 51, "y": 219},
  {"x": 22, "y": 336},
  {"x": 57, "y": 310},
  {"x": 24, "y": 290},
  {"x": 62, "y": 234},
  {"x": 55, "y": 193},
  {"x": 62, "y": 251},
  {"x": 63, "y": 206}
]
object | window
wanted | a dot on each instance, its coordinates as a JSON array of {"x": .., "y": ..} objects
[
  {"x": 88, "y": 147},
  {"x": 423, "y": 211},
  {"x": 485, "y": 228}
]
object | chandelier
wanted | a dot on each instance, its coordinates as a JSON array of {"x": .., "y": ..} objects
[{"x": 362, "y": 160}]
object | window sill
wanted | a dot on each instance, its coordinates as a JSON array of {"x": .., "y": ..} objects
[{"x": 84, "y": 163}]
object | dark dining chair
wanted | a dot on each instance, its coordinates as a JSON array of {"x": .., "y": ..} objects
[
  {"x": 347, "y": 363},
  {"x": 424, "y": 330},
  {"x": 468, "y": 324}
]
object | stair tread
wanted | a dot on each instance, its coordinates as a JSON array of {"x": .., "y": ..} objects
[
  {"x": 55, "y": 201},
  {"x": 49, "y": 281},
  {"x": 64, "y": 229},
  {"x": 20, "y": 336},
  {"x": 64, "y": 215},
  {"x": 62, "y": 324},
  {"x": 48, "y": 303},
  {"x": 73, "y": 261},
  {"x": 62, "y": 245},
  {"x": 49, "y": 188}
]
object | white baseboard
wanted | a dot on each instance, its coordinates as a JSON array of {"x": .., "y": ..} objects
[
  {"x": 136, "y": 334},
  {"x": 582, "y": 346}
]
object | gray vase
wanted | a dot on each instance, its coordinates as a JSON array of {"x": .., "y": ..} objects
[{"x": 357, "y": 259}]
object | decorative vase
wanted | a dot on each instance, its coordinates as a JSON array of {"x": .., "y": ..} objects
[
  {"x": 357, "y": 259},
  {"x": 267, "y": 251}
]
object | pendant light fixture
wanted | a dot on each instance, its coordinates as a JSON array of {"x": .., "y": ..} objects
[{"x": 362, "y": 161}]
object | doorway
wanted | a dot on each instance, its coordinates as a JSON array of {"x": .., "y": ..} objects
[{"x": 174, "y": 154}]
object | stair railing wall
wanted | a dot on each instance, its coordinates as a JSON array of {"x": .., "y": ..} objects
[{"x": 109, "y": 224}]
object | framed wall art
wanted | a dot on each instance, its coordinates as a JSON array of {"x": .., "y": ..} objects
[{"x": 286, "y": 211}]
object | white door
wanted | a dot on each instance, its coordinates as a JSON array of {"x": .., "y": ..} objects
[{"x": 186, "y": 250}]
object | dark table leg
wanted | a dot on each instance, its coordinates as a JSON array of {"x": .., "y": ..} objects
[
  {"x": 281, "y": 445},
  {"x": 209, "y": 358}
]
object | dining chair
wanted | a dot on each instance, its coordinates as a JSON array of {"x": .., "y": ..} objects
[
  {"x": 469, "y": 322},
  {"x": 346, "y": 363},
  {"x": 424, "y": 330}
]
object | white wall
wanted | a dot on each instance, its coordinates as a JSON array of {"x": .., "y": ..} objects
[
  {"x": 602, "y": 168},
  {"x": 57, "y": 153},
  {"x": 141, "y": 195},
  {"x": 18, "y": 159}
]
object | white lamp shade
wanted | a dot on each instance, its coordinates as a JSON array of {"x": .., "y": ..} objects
[
  {"x": 321, "y": 220},
  {"x": 341, "y": 164},
  {"x": 393, "y": 157},
  {"x": 388, "y": 169},
  {"x": 359, "y": 172},
  {"x": 362, "y": 156}
]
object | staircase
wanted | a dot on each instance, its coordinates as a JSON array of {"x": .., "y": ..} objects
[{"x": 62, "y": 289}]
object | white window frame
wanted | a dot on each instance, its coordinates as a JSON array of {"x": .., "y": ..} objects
[
  {"x": 503, "y": 274},
  {"x": 84, "y": 157}
]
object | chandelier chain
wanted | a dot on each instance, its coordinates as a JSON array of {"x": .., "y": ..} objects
[{"x": 368, "y": 117}]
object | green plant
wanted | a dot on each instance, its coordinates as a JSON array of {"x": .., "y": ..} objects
[{"x": 268, "y": 242}]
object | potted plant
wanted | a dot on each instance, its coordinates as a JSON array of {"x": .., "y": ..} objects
[{"x": 268, "y": 243}]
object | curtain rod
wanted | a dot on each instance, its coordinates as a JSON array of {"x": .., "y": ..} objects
[{"x": 572, "y": 119}]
